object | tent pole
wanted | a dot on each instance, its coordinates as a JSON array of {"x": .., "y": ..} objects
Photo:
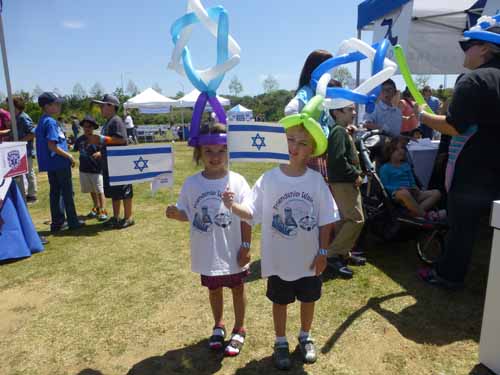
[{"x": 358, "y": 79}]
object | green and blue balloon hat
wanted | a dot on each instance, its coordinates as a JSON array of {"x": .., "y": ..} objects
[{"x": 308, "y": 117}]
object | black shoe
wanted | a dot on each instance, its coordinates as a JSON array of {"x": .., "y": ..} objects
[
  {"x": 112, "y": 222},
  {"x": 31, "y": 199},
  {"x": 357, "y": 260},
  {"x": 43, "y": 240},
  {"x": 339, "y": 267},
  {"x": 281, "y": 356},
  {"x": 125, "y": 223},
  {"x": 78, "y": 225},
  {"x": 58, "y": 227}
]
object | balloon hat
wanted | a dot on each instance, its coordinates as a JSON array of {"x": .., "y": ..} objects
[
  {"x": 368, "y": 91},
  {"x": 207, "y": 81},
  {"x": 307, "y": 117},
  {"x": 480, "y": 31}
]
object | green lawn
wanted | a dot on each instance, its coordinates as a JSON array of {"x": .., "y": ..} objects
[{"x": 125, "y": 302}]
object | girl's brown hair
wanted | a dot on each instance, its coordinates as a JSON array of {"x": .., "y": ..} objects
[
  {"x": 216, "y": 128},
  {"x": 392, "y": 146},
  {"x": 314, "y": 59}
]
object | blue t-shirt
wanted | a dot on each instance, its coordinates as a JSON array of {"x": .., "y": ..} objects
[
  {"x": 25, "y": 127},
  {"x": 434, "y": 103},
  {"x": 49, "y": 129},
  {"x": 394, "y": 178}
]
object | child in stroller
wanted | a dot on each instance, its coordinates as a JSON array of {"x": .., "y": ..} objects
[{"x": 388, "y": 219}]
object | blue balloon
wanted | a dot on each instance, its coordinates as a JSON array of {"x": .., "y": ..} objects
[
  {"x": 487, "y": 36},
  {"x": 378, "y": 63},
  {"x": 217, "y": 14}
]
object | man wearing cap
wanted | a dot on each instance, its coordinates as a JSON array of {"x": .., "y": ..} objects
[
  {"x": 113, "y": 133},
  {"x": 473, "y": 170},
  {"x": 54, "y": 158}
]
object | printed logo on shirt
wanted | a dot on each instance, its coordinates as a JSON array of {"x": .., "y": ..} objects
[
  {"x": 210, "y": 210},
  {"x": 293, "y": 211}
]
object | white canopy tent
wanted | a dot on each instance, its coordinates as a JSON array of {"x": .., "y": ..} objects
[
  {"x": 240, "y": 113},
  {"x": 434, "y": 30},
  {"x": 150, "y": 101},
  {"x": 189, "y": 100}
]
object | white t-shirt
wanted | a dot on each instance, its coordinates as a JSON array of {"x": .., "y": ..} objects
[
  {"x": 291, "y": 210},
  {"x": 129, "y": 122},
  {"x": 215, "y": 231}
]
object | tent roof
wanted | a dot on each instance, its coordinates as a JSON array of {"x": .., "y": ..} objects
[
  {"x": 151, "y": 99},
  {"x": 189, "y": 100},
  {"x": 240, "y": 109}
]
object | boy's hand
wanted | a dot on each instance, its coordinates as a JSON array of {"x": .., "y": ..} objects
[
  {"x": 319, "y": 264},
  {"x": 244, "y": 256},
  {"x": 173, "y": 212},
  {"x": 358, "y": 181},
  {"x": 228, "y": 198},
  {"x": 97, "y": 155},
  {"x": 72, "y": 160}
]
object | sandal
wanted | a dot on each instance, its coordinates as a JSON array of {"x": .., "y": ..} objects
[
  {"x": 235, "y": 344},
  {"x": 216, "y": 341}
]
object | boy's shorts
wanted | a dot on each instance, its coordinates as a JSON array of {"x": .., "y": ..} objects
[
  {"x": 306, "y": 289},
  {"x": 116, "y": 192},
  {"x": 229, "y": 281},
  {"x": 91, "y": 182}
]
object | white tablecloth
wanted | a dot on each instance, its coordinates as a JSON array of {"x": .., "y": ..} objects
[{"x": 423, "y": 155}]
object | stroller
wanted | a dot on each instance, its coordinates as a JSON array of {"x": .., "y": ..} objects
[{"x": 390, "y": 221}]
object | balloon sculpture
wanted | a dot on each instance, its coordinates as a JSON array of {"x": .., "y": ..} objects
[{"x": 215, "y": 19}]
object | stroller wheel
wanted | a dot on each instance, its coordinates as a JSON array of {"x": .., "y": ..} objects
[{"x": 430, "y": 246}]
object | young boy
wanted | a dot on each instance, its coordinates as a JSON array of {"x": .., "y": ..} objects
[
  {"x": 344, "y": 177},
  {"x": 54, "y": 158},
  {"x": 296, "y": 210},
  {"x": 90, "y": 168}
]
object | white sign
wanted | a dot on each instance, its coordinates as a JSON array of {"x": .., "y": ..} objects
[{"x": 395, "y": 27}]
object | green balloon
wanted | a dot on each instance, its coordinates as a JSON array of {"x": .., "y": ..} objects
[{"x": 405, "y": 72}]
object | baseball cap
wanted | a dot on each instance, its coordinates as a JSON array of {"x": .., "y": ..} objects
[
  {"x": 89, "y": 119},
  {"x": 49, "y": 98},
  {"x": 108, "y": 99}
]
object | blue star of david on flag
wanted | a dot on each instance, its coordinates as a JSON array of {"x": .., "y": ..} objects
[
  {"x": 258, "y": 141},
  {"x": 141, "y": 164}
]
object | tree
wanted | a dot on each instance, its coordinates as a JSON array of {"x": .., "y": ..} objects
[
  {"x": 78, "y": 91},
  {"x": 270, "y": 84},
  {"x": 37, "y": 91},
  {"x": 157, "y": 87},
  {"x": 422, "y": 80},
  {"x": 132, "y": 88},
  {"x": 96, "y": 91},
  {"x": 344, "y": 76},
  {"x": 179, "y": 94},
  {"x": 235, "y": 86},
  {"x": 57, "y": 91}
]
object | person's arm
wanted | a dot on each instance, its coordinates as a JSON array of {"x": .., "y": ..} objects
[
  {"x": 436, "y": 122},
  {"x": 5, "y": 132},
  {"x": 173, "y": 212},
  {"x": 59, "y": 151},
  {"x": 319, "y": 263},
  {"x": 246, "y": 240},
  {"x": 337, "y": 160}
]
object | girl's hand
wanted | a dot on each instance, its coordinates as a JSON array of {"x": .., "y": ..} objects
[
  {"x": 228, "y": 198},
  {"x": 244, "y": 256},
  {"x": 172, "y": 212},
  {"x": 319, "y": 264}
]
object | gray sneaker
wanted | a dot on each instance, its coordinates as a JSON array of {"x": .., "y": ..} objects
[
  {"x": 282, "y": 356},
  {"x": 308, "y": 350}
]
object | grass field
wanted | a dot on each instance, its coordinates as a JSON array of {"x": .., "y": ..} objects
[{"x": 125, "y": 302}]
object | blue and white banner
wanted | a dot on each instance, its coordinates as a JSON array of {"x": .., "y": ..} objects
[
  {"x": 257, "y": 142},
  {"x": 133, "y": 164}
]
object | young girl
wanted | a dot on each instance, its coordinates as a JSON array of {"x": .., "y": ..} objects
[
  {"x": 397, "y": 177},
  {"x": 220, "y": 242}
]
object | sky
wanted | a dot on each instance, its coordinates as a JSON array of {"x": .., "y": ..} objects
[{"x": 57, "y": 43}]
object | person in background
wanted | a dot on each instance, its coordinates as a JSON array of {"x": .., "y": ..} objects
[
  {"x": 5, "y": 119},
  {"x": 54, "y": 158},
  {"x": 302, "y": 96},
  {"x": 26, "y": 133},
  {"x": 129, "y": 125},
  {"x": 435, "y": 104},
  {"x": 75, "y": 126},
  {"x": 410, "y": 120},
  {"x": 385, "y": 116}
]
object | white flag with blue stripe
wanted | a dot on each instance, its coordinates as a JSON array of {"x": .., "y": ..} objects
[
  {"x": 133, "y": 164},
  {"x": 257, "y": 142}
]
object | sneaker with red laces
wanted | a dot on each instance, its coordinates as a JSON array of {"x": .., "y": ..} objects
[{"x": 93, "y": 213}]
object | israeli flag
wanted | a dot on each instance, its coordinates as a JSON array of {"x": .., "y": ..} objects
[
  {"x": 133, "y": 164},
  {"x": 257, "y": 142}
]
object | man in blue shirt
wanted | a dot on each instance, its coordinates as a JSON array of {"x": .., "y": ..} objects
[
  {"x": 54, "y": 158},
  {"x": 435, "y": 104}
]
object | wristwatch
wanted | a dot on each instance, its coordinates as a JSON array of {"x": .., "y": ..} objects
[{"x": 323, "y": 252}]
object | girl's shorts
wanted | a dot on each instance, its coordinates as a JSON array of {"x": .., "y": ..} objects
[
  {"x": 228, "y": 281},
  {"x": 91, "y": 182}
]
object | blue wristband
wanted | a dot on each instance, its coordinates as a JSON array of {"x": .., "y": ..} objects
[
  {"x": 245, "y": 245},
  {"x": 323, "y": 252}
]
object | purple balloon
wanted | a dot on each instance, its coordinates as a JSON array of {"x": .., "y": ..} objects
[
  {"x": 218, "y": 109},
  {"x": 195, "y": 139}
]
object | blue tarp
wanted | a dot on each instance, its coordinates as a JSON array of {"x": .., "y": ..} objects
[
  {"x": 371, "y": 10},
  {"x": 18, "y": 237}
]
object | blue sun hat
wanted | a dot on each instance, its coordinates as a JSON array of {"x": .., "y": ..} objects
[{"x": 487, "y": 30}]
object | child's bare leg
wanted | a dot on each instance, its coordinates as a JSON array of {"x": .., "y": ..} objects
[
  {"x": 100, "y": 200},
  {"x": 428, "y": 199},
  {"x": 94, "y": 199},
  {"x": 217, "y": 305},
  {"x": 239, "y": 305},
  {"x": 116, "y": 207},
  {"x": 279, "y": 317},
  {"x": 306, "y": 316},
  {"x": 405, "y": 197}
]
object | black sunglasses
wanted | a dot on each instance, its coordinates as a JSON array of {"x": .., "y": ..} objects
[{"x": 466, "y": 44}]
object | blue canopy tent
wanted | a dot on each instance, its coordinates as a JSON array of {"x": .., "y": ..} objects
[{"x": 240, "y": 113}]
